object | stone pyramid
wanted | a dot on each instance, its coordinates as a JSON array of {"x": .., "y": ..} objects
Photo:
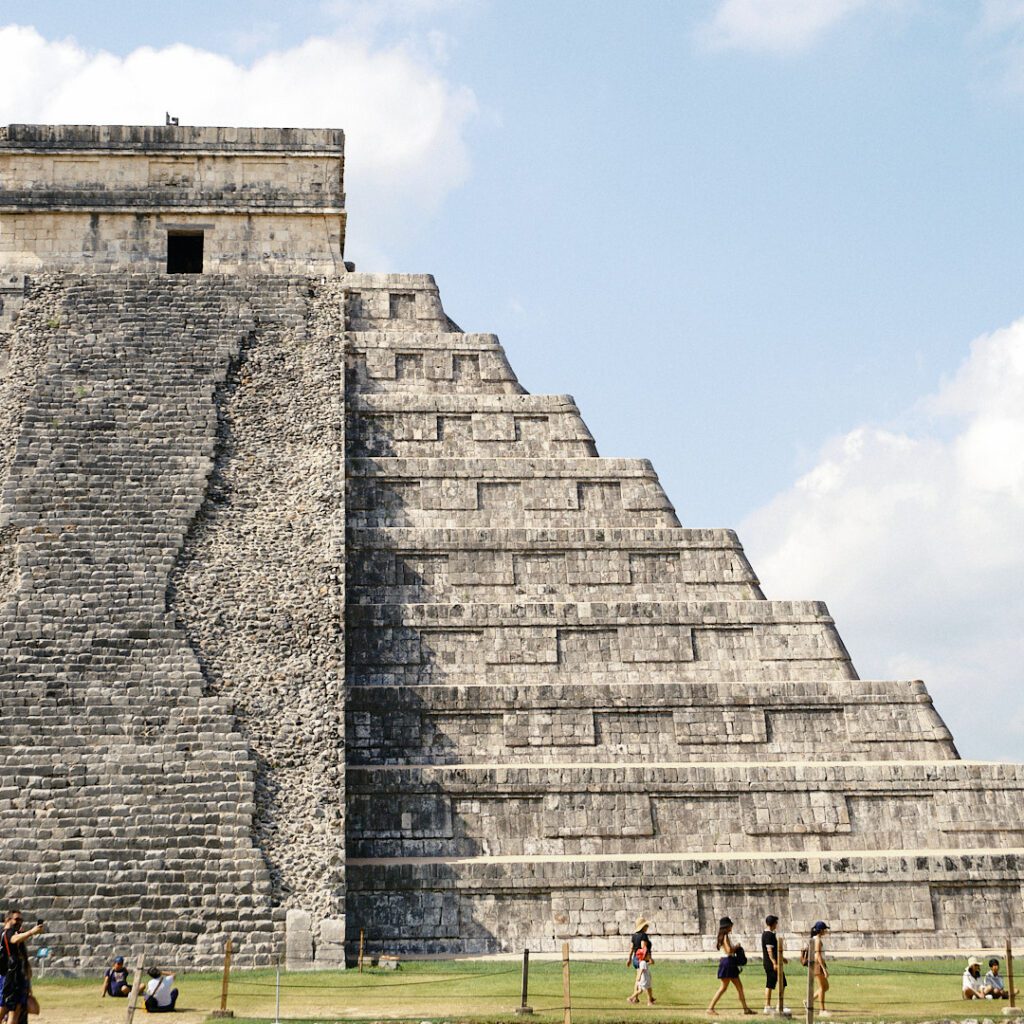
[
  {"x": 313, "y": 621},
  {"x": 563, "y": 708}
]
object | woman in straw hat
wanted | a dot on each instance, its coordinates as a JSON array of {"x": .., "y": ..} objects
[
  {"x": 729, "y": 965},
  {"x": 640, "y": 958}
]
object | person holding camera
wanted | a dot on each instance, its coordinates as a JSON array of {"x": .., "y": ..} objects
[{"x": 17, "y": 971}]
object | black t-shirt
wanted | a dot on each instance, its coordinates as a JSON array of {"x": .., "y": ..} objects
[
  {"x": 640, "y": 939},
  {"x": 769, "y": 939},
  {"x": 17, "y": 955}
]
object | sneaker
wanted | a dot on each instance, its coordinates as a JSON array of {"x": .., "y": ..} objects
[{"x": 769, "y": 1009}]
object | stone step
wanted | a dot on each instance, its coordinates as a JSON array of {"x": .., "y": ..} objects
[
  {"x": 374, "y": 301},
  {"x": 650, "y": 807},
  {"x": 409, "y": 424},
  {"x": 427, "y": 361},
  {"x": 893, "y": 898},
  {"x": 552, "y": 493},
  {"x": 569, "y": 642},
  {"x": 613, "y": 721},
  {"x": 396, "y": 566}
]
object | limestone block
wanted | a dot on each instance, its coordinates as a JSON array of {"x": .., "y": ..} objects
[
  {"x": 597, "y": 814},
  {"x": 527, "y": 645},
  {"x": 298, "y": 954},
  {"x": 330, "y": 950},
  {"x": 412, "y": 815},
  {"x": 714, "y": 725},
  {"x": 668, "y": 642},
  {"x": 787, "y": 813},
  {"x": 549, "y": 728}
]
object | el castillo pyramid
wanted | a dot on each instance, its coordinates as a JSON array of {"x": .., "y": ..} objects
[{"x": 315, "y": 621}]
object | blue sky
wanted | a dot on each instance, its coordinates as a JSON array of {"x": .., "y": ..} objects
[{"x": 754, "y": 238}]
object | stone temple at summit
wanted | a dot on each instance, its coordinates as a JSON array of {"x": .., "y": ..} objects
[{"x": 314, "y": 621}]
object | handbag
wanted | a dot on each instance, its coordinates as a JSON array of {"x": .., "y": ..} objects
[{"x": 32, "y": 1005}]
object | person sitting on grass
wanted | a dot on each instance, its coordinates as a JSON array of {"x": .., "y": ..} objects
[
  {"x": 115, "y": 981},
  {"x": 972, "y": 986},
  {"x": 160, "y": 995},
  {"x": 994, "y": 981}
]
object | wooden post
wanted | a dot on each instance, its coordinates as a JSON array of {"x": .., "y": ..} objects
[
  {"x": 1009, "y": 973},
  {"x": 133, "y": 998},
  {"x": 810, "y": 981},
  {"x": 224, "y": 1011},
  {"x": 782, "y": 976},
  {"x": 277, "y": 993},
  {"x": 566, "y": 999},
  {"x": 361, "y": 948},
  {"x": 522, "y": 1008}
]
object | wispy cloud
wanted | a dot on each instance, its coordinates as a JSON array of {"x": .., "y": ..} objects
[
  {"x": 776, "y": 26},
  {"x": 998, "y": 41},
  {"x": 404, "y": 120},
  {"x": 916, "y": 541}
]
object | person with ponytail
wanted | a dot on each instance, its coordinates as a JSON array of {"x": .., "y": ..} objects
[{"x": 733, "y": 958}]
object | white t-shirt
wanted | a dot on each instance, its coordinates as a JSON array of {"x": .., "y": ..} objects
[
  {"x": 972, "y": 983},
  {"x": 161, "y": 989},
  {"x": 643, "y": 975}
]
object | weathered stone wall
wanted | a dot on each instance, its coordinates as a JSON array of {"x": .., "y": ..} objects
[
  {"x": 269, "y": 242},
  {"x": 129, "y": 791},
  {"x": 564, "y": 709},
  {"x": 80, "y": 196}
]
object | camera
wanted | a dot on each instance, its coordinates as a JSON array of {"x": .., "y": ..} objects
[{"x": 39, "y": 922}]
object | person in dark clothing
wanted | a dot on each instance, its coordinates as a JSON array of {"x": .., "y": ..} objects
[
  {"x": 640, "y": 953},
  {"x": 770, "y": 959},
  {"x": 115, "y": 981},
  {"x": 17, "y": 980}
]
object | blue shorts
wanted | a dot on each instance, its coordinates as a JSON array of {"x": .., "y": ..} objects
[{"x": 15, "y": 993}]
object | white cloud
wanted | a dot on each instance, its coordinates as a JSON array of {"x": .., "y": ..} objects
[
  {"x": 776, "y": 26},
  {"x": 404, "y": 121},
  {"x": 916, "y": 541}
]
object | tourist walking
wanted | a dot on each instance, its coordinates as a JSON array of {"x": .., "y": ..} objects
[
  {"x": 770, "y": 960},
  {"x": 732, "y": 959},
  {"x": 818, "y": 966},
  {"x": 640, "y": 958}
]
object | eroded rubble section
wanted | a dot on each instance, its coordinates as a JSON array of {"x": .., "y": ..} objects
[{"x": 259, "y": 591}]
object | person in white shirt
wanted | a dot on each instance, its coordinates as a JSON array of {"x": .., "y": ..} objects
[
  {"x": 161, "y": 995},
  {"x": 972, "y": 985}
]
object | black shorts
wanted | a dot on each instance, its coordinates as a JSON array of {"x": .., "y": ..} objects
[
  {"x": 771, "y": 977},
  {"x": 14, "y": 994}
]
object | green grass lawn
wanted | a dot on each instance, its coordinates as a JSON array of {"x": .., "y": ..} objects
[{"x": 485, "y": 991}]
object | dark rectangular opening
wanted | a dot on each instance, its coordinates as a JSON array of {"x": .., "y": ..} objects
[{"x": 184, "y": 252}]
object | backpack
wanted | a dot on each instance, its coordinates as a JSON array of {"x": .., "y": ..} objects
[
  {"x": 8, "y": 961},
  {"x": 804, "y": 957},
  {"x": 740, "y": 956}
]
